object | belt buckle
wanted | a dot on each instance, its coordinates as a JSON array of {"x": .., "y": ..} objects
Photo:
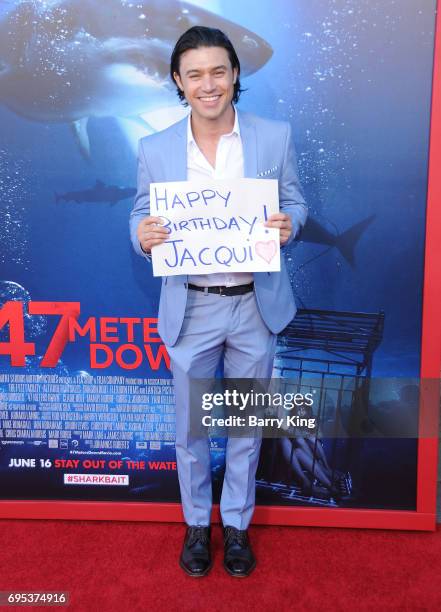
[{"x": 221, "y": 291}]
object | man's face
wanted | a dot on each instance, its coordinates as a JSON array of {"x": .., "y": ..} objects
[{"x": 207, "y": 80}]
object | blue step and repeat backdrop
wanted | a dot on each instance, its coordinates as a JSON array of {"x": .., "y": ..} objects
[{"x": 86, "y": 398}]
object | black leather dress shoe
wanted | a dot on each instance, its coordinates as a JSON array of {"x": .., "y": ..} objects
[
  {"x": 195, "y": 558},
  {"x": 239, "y": 560}
]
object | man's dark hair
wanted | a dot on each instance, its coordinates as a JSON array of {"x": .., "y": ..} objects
[{"x": 200, "y": 36}]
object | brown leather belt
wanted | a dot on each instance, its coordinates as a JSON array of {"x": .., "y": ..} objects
[{"x": 224, "y": 291}]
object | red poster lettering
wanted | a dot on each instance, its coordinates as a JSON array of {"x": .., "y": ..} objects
[
  {"x": 12, "y": 314},
  {"x": 66, "y": 310}
]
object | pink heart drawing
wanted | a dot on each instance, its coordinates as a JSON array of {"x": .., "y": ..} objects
[{"x": 266, "y": 250}]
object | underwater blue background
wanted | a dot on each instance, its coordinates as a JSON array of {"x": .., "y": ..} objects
[{"x": 354, "y": 79}]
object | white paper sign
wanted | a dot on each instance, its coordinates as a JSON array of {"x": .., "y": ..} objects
[{"x": 216, "y": 226}]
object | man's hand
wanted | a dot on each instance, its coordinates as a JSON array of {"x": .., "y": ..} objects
[
  {"x": 284, "y": 223},
  {"x": 150, "y": 232}
]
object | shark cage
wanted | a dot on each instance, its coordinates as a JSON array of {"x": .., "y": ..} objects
[{"x": 330, "y": 354}]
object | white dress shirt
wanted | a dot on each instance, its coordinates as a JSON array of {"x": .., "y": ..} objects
[{"x": 229, "y": 165}]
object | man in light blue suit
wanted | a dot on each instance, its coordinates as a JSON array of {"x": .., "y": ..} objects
[{"x": 234, "y": 316}]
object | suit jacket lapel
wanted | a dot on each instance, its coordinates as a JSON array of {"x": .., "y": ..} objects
[
  {"x": 249, "y": 144},
  {"x": 177, "y": 160}
]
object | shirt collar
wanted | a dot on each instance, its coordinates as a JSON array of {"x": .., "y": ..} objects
[{"x": 235, "y": 130}]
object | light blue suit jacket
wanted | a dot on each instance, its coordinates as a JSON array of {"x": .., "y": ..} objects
[{"x": 268, "y": 154}]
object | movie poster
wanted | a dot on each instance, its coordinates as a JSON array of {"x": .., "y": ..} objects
[{"x": 86, "y": 397}]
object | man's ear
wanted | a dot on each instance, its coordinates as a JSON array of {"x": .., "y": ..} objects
[
  {"x": 234, "y": 75},
  {"x": 177, "y": 78}
]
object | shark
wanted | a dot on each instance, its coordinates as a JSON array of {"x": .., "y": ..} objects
[
  {"x": 66, "y": 61},
  {"x": 345, "y": 242},
  {"x": 99, "y": 193}
]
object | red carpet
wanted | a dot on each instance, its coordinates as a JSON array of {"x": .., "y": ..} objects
[{"x": 133, "y": 566}]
